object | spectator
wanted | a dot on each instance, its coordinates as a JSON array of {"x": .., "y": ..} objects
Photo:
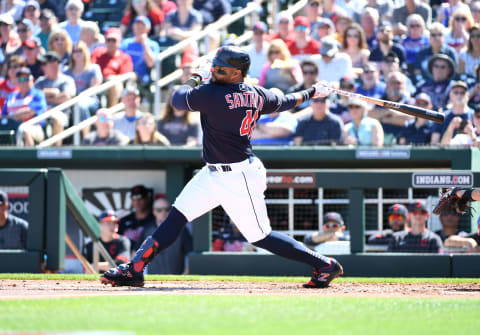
[
  {"x": 323, "y": 27},
  {"x": 362, "y": 130},
  {"x": 8, "y": 84},
  {"x": 172, "y": 260},
  {"x": 331, "y": 11},
  {"x": 183, "y": 23},
  {"x": 415, "y": 40},
  {"x": 474, "y": 92},
  {"x": 146, "y": 132},
  {"x": 212, "y": 10},
  {"x": 125, "y": 122},
  {"x": 419, "y": 238},
  {"x": 447, "y": 8},
  {"x": 57, "y": 88},
  {"x": 313, "y": 13},
  {"x": 458, "y": 111},
  {"x": 86, "y": 75},
  {"x": 47, "y": 22},
  {"x": 397, "y": 221},
  {"x": 24, "y": 104},
  {"x": 339, "y": 103},
  {"x": 57, "y": 9},
  {"x": 117, "y": 246},
  {"x": 31, "y": 51},
  {"x": 9, "y": 40},
  {"x": 319, "y": 128},
  {"x": 31, "y": 12},
  {"x": 391, "y": 120},
  {"x": 384, "y": 8},
  {"x": 133, "y": 224},
  {"x": 450, "y": 221},
  {"x": 332, "y": 64},
  {"x": 418, "y": 131},
  {"x": 303, "y": 46},
  {"x": 74, "y": 10},
  {"x": 400, "y": 14},
  {"x": 275, "y": 128},
  {"x": 178, "y": 126},
  {"x": 113, "y": 62},
  {"x": 355, "y": 46},
  {"x": 386, "y": 45},
  {"x": 470, "y": 242},
  {"x": 258, "y": 49},
  {"x": 90, "y": 34},
  {"x": 442, "y": 71},
  {"x": 166, "y": 6},
  {"x": 370, "y": 84},
  {"x": 469, "y": 59},
  {"x": 310, "y": 74},
  {"x": 60, "y": 43},
  {"x": 104, "y": 134},
  {"x": 369, "y": 22},
  {"x": 284, "y": 28},
  {"x": 437, "y": 45},
  {"x": 24, "y": 30},
  {"x": 13, "y": 230},
  {"x": 457, "y": 35},
  {"x": 333, "y": 229},
  {"x": 341, "y": 25},
  {"x": 187, "y": 71},
  {"x": 280, "y": 71},
  {"x": 143, "y": 8},
  {"x": 142, "y": 50},
  {"x": 14, "y": 8},
  {"x": 475, "y": 9}
]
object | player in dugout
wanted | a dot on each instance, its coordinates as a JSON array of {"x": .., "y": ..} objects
[{"x": 233, "y": 176}]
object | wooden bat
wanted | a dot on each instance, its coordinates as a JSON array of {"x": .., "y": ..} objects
[{"x": 404, "y": 108}]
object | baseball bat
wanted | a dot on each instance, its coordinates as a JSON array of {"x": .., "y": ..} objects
[{"x": 404, "y": 108}]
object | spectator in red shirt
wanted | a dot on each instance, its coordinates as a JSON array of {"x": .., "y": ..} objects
[
  {"x": 166, "y": 6},
  {"x": 284, "y": 29},
  {"x": 303, "y": 46},
  {"x": 113, "y": 62},
  {"x": 146, "y": 8},
  {"x": 9, "y": 83}
]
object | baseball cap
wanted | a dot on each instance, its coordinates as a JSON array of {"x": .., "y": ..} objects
[
  {"x": 329, "y": 46},
  {"x": 6, "y": 18},
  {"x": 301, "y": 21},
  {"x": 391, "y": 57},
  {"x": 139, "y": 192},
  {"x": 23, "y": 71},
  {"x": 423, "y": 97},
  {"x": 260, "y": 26},
  {"x": 398, "y": 209},
  {"x": 144, "y": 20},
  {"x": 113, "y": 33},
  {"x": 323, "y": 21},
  {"x": 418, "y": 205},
  {"x": 357, "y": 102},
  {"x": 27, "y": 23},
  {"x": 49, "y": 56},
  {"x": 459, "y": 83},
  {"x": 32, "y": 43},
  {"x": 32, "y": 3},
  {"x": 46, "y": 14},
  {"x": 347, "y": 81},
  {"x": 284, "y": 16},
  {"x": 107, "y": 216},
  {"x": 130, "y": 89},
  {"x": 333, "y": 216},
  {"x": 3, "y": 198}
]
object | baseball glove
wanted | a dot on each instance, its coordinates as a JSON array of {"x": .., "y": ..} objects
[{"x": 450, "y": 201}]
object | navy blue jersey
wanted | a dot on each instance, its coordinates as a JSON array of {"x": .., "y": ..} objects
[{"x": 228, "y": 115}]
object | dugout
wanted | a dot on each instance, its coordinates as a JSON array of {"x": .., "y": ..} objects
[{"x": 169, "y": 168}]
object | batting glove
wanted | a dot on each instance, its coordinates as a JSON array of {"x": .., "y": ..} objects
[
  {"x": 204, "y": 70},
  {"x": 322, "y": 89}
]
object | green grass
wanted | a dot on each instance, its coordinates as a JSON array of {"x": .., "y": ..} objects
[
  {"x": 242, "y": 315},
  {"x": 37, "y": 276}
]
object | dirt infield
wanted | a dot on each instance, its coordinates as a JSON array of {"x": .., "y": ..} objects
[{"x": 28, "y": 289}]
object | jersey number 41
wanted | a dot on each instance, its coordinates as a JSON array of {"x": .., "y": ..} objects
[{"x": 249, "y": 123}]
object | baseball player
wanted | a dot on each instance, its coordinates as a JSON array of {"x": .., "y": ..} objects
[{"x": 232, "y": 177}]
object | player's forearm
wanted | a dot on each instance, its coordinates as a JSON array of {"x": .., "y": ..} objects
[
  {"x": 292, "y": 100},
  {"x": 179, "y": 98}
]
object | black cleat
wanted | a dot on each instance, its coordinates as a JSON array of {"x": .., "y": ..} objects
[
  {"x": 122, "y": 275},
  {"x": 322, "y": 277}
]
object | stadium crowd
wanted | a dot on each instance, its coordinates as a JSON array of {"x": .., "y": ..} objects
[{"x": 411, "y": 51}]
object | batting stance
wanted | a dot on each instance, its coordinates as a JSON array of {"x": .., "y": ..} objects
[{"x": 232, "y": 177}]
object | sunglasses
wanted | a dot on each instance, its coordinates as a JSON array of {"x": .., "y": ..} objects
[
  {"x": 301, "y": 28},
  {"x": 422, "y": 103},
  {"x": 283, "y": 21},
  {"x": 314, "y": 4},
  {"x": 355, "y": 107},
  {"x": 23, "y": 79},
  {"x": 368, "y": 71},
  {"x": 436, "y": 35},
  {"x": 460, "y": 18},
  {"x": 414, "y": 26},
  {"x": 162, "y": 209},
  {"x": 56, "y": 39},
  {"x": 111, "y": 40},
  {"x": 443, "y": 67},
  {"x": 72, "y": 8},
  {"x": 417, "y": 213},
  {"x": 396, "y": 217},
  {"x": 77, "y": 50},
  {"x": 459, "y": 92},
  {"x": 22, "y": 30},
  {"x": 14, "y": 66},
  {"x": 309, "y": 72},
  {"x": 319, "y": 100},
  {"x": 103, "y": 118},
  {"x": 331, "y": 225},
  {"x": 353, "y": 35},
  {"x": 146, "y": 123},
  {"x": 475, "y": 36},
  {"x": 273, "y": 52}
]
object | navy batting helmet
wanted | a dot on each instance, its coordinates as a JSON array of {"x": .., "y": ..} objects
[{"x": 232, "y": 56}]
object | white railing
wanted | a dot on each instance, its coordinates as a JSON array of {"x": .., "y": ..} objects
[
  {"x": 251, "y": 7},
  {"x": 67, "y": 104}
]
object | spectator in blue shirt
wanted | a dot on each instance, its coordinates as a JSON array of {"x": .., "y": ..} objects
[
  {"x": 415, "y": 40},
  {"x": 25, "y": 104},
  {"x": 418, "y": 131},
  {"x": 386, "y": 45},
  {"x": 321, "y": 127},
  {"x": 142, "y": 50},
  {"x": 370, "y": 83}
]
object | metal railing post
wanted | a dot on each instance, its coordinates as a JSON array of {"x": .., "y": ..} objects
[
  {"x": 158, "y": 88},
  {"x": 76, "y": 120}
]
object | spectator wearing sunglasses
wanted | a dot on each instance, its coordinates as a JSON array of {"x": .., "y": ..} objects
[
  {"x": 74, "y": 10},
  {"x": 418, "y": 239},
  {"x": 303, "y": 46},
  {"x": 172, "y": 260},
  {"x": 460, "y": 23},
  {"x": 469, "y": 59},
  {"x": 125, "y": 121},
  {"x": 333, "y": 229},
  {"x": 397, "y": 215},
  {"x": 418, "y": 131},
  {"x": 105, "y": 134}
]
